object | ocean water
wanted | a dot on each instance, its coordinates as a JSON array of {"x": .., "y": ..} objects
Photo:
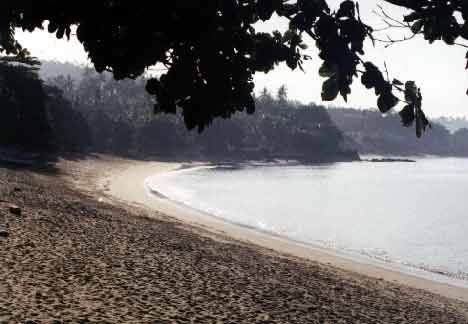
[{"x": 411, "y": 214}]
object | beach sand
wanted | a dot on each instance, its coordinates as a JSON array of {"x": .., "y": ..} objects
[
  {"x": 92, "y": 246},
  {"x": 127, "y": 184}
]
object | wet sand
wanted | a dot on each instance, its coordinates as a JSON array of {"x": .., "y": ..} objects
[{"x": 106, "y": 254}]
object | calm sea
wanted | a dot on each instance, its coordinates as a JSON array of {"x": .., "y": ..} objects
[{"x": 411, "y": 214}]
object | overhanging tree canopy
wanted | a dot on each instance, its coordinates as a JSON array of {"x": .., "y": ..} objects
[{"x": 211, "y": 49}]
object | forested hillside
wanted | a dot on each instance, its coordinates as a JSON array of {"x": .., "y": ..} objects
[
  {"x": 122, "y": 120},
  {"x": 83, "y": 111},
  {"x": 453, "y": 123},
  {"x": 77, "y": 109},
  {"x": 369, "y": 132}
]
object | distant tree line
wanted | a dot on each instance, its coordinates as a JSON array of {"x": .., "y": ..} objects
[
  {"x": 453, "y": 123},
  {"x": 120, "y": 119},
  {"x": 369, "y": 132},
  {"x": 91, "y": 112}
]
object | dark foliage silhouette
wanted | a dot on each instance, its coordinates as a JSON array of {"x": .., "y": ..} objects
[
  {"x": 23, "y": 102},
  {"x": 36, "y": 116},
  {"x": 210, "y": 50}
]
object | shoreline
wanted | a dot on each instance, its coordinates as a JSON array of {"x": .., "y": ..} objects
[
  {"x": 126, "y": 183},
  {"x": 459, "y": 280},
  {"x": 404, "y": 268},
  {"x": 76, "y": 253}
]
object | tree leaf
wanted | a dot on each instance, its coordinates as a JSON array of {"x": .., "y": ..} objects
[
  {"x": 347, "y": 9},
  {"x": 407, "y": 115},
  {"x": 464, "y": 30},
  {"x": 330, "y": 89},
  {"x": 386, "y": 101},
  {"x": 416, "y": 27},
  {"x": 345, "y": 90},
  {"x": 466, "y": 56},
  {"x": 327, "y": 71},
  {"x": 411, "y": 92},
  {"x": 421, "y": 122},
  {"x": 152, "y": 86}
]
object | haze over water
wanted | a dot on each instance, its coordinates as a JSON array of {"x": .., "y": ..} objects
[{"x": 406, "y": 213}]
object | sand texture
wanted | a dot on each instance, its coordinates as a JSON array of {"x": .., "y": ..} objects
[{"x": 70, "y": 257}]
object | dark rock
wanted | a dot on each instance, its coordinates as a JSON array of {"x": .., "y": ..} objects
[
  {"x": 15, "y": 210},
  {"x": 4, "y": 232},
  {"x": 390, "y": 160}
]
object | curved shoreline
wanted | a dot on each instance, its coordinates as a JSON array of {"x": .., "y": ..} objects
[
  {"x": 426, "y": 272},
  {"x": 126, "y": 183}
]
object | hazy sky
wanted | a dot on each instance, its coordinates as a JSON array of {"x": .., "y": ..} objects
[{"x": 437, "y": 68}]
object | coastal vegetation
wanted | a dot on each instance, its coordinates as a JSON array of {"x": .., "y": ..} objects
[
  {"x": 207, "y": 69},
  {"x": 369, "y": 132},
  {"x": 77, "y": 109},
  {"x": 94, "y": 113},
  {"x": 35, "y": 116},
  {"x": 120, "y": 121}
]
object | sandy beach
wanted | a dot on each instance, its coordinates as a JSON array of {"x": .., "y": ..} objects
[
  {"x": 91, "y": 245},
  {"x": 127, "y": 184}
]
